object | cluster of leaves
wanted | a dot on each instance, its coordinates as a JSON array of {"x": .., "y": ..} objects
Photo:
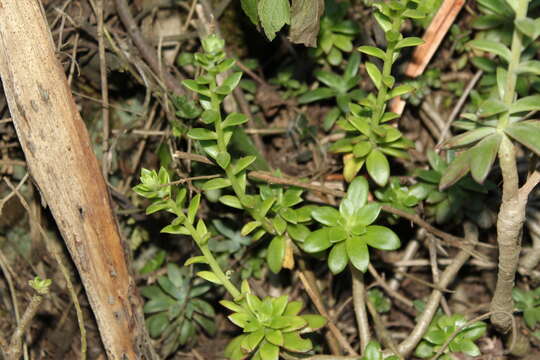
[
  {"x": 500, "y": 118},
  {"x": 442, "y": 329},
  {"x": 293, "y": 88},
  {"x": 342, "y": 88},
  {"x": 380, "y": 301},
  {"x": 370, "y": 140},
  {"x": 270, "y": 326},
  {"x": 336, "y": 33},
  {"x": 176, "y": 309},
  {"x": 464, "y": 198},
  {"x": 349, "y": 231},
  {"x": 529, "y": 303}
]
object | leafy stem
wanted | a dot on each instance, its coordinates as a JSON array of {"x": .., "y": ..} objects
[
  {"x": 380, "y": 105},
  {"x": 212, "y": 262},
  {"x": 517, "y": 48}
]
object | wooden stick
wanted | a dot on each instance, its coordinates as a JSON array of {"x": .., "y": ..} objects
[
  {"x": 60, "y": 159},
  {"x": 435, "y": 33}
]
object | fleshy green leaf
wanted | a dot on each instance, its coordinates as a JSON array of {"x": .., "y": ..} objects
[
  {"x": 381, "y": 237},
  {"x": 373, "y": 51},
  {"x": 410, "y": 41},
  {"x": 326, "y": 215},
  {"x": 209, "y": 276},
  {"x": 527, "y": 133},
  {"x": 337, "y": 258},
  {"x": 276, "y": 253},
  {"x": 215, "y": 184},
  {"x": 318, "y": 240},
  {"x": 483, "y": 155},
  {"x": 469, "y": 137},
  {"x": 358, "y": 253},
  {"x": 374, "y": 74},
  {"x": 528, "y": 103},
  {"x": 293, "y": 342},
  {"x": 378, "y": 167},
  {"x": 202, "y": 134},
  {"x": 458, "y": 168},
  {"x": 492, "y": 47}
]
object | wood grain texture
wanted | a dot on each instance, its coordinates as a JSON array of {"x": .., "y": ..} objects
[{"x": 62, "y": 164}]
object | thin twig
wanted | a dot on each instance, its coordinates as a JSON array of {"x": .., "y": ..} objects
[
  {"x": 56, "y": 254},
  {"x": 322, "y": 310},
  {"x": 448, "y": 275}
]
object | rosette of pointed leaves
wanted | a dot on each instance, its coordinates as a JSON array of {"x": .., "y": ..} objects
[
  {"x": 175, "y": 309},
  {"x": 336, "y": 33},
  {"x": 464, "y": 198},
  {"x": 276, "y": 204},
  {"x": 442, "y": 328},
  {"x": 271, "y": 326},
  {"x": 529, "y": 303},
  {"x": 397, "y": 195},
  {"x": 501, "y": 118},
  {"x": 349, "y": 231},
  {"x": 369, "y": 143},
  {"x": 285, "y": 80}
]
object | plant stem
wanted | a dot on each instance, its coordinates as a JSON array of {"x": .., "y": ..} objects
[
  {"x": 359, "y": 295},
  {"x": 517, "y": 48},
  {"x": 212, "y": 262},
  {"x": 512, "y": 211},
  {"x": 380, "y": 105}
]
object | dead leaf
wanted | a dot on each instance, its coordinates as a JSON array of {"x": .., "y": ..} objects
[{"x": 305, "y": 19}]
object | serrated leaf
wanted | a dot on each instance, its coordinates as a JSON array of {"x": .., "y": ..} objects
[
  {"x": 273, "y": 14},
  {"x": 492, "y": 47},
  {"x": 483, "y": 155}
]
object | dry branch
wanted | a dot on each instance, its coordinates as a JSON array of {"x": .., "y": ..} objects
[{"x": 60, "y": 159}]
